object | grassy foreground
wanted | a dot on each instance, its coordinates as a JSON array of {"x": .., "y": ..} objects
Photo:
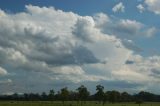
[{"x": 41, "y": 103}]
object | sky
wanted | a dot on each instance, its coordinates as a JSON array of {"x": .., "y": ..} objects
[{"x": 52, "y": 44}]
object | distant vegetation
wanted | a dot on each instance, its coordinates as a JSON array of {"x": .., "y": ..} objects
[{"x": 82, "y": 95}]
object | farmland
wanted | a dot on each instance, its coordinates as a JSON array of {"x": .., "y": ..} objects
[{"x": 49, "y": 103}]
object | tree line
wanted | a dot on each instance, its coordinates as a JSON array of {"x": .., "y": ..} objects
[{"x": 81, "y": 94}]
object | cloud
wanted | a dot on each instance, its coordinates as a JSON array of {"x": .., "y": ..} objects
[
  {"x": 101, "y": 19},
  {"x": 31, "y": 43},
  {"x": 141, "y": 8},
  {"x": 123, "y": 28},
  {"x": 153, "y": 6},
  {"x": 129, "y": 62},
  {"x": 118, "y": 7},
  {"x": 6, "y": 81},
  {"x": 151, "y": 31},
  {"x": 129, "y": 44},
  {"x": 142, "y": 71},
  {"x": 129, "y": 27},
  {"x": 2, "y": 71},
  {"x": 146, "y": 67},
  {"x": 84, "y": 29},
  {"x": 33, "y": 40},
  {"x": 62, "y": 48}
]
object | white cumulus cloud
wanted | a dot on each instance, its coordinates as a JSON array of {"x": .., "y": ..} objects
[
  {"x": 118, "y": 7},
  {"x": 43, "y": 46},
  {"x": 153, "y": 6},
  {"x": 141, "y": 8}
]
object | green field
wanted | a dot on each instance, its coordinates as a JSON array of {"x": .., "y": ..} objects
[{"x": 40, "y": 103}]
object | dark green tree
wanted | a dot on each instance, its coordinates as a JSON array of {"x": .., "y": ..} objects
[
  {"x": 83, "y": 93},
  {"x": 100, "y": 93},
  {"x": 43, "y": 96},
  {"x": 51, "y": 95},
  {"x": 125, "y": 97},
  {"x": 105, "y": 98},
  {"x": 64, "y": 94},
  {"x": 113, "y": 96}
]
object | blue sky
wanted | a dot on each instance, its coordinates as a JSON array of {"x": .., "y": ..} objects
[{"x": 56, "y": 43}]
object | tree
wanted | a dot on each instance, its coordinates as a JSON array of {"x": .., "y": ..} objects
[
  {"x": 105, "y": 98},
  {"x": 113, "y": 96},
  {"x": 44, "y": 96},
  {"x": 57, "y": 96},
  {"x": 83, "y": 93},
  {"x": 139, "y": 101},
  {"x": 34, "y": 97},
  {"x": 100, "y": 93},
  {"x": 73, "y": 96},
  {"x": 26, "y": 96},
  {"x": 64, "y": 94},
  {"x": 15, "y": 96},
  {"x": 125, "y": 97},
  {"x": 51, "y": 95},
  {"x": 145, "y": 96}
]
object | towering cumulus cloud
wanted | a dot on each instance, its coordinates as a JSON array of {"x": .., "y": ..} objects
[{"x": 42, "y": 47}]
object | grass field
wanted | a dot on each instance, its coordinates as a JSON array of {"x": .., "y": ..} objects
[{"x": 40, "y": 103}]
